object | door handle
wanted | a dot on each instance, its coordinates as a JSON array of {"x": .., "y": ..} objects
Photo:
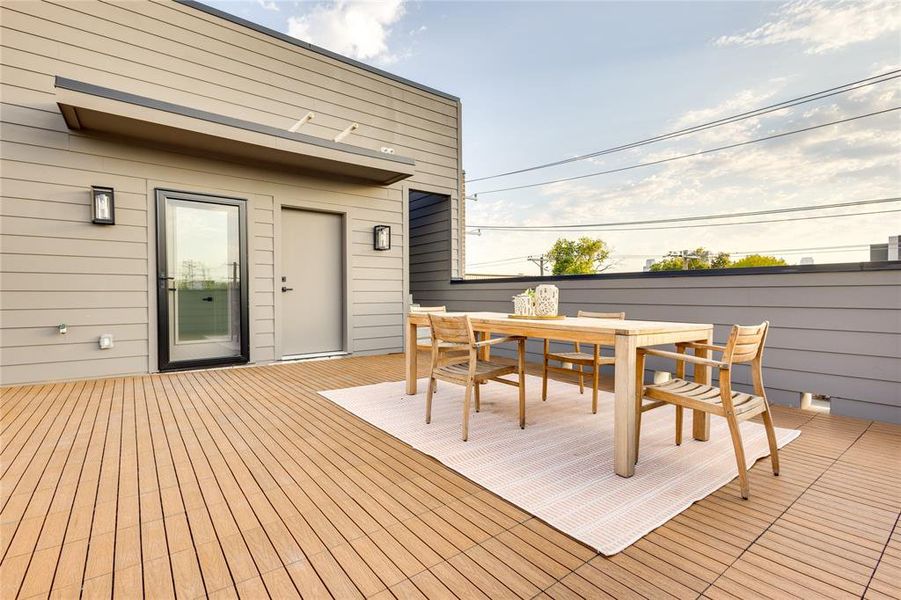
[
  {"x": 287, "y": 289},
  {"x": 207, "y": 299}
]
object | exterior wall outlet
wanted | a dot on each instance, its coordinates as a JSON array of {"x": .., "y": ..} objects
[
  {"x": 63, "y": 328},
  {"x": 106, "y": 341}
]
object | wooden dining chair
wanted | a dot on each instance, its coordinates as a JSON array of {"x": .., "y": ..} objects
[
  {"x": 581, "y": 359},
  {"x": 745, "y": 345},
  {"x": 424, "y": 341},
  {"x": 455, "y": 358}
]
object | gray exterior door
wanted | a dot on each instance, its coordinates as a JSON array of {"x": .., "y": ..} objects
[{"x": 312, "y": 282}]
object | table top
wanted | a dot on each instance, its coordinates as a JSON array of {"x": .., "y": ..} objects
[{"x": 574, "y": 324}]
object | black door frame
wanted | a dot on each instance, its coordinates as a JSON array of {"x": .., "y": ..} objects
[{"x": 162, "y": 297}]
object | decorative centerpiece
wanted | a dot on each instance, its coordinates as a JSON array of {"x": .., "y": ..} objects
[
  {"x": 547, "y": 299},
  {"x": 524, "y": 303}
]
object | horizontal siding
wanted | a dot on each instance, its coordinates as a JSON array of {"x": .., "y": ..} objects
[
  {"x": 430, "y": 239},
  {"x": 57, "y": 267},
  {"x": 834, "y": 333}
]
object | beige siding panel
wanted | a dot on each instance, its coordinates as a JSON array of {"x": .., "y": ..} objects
[
  {"x": 70, "y": 194},
  {"x": 31, "y": 263},
  {"x": 52, "y": 228},
  {"x": 43, "y": 173},
  {"x": 57, "y": 267},
  {"x": 91, "y": 366},
  {"x": 271, "y": 102},
  {"x": 45, "y": 282},
  {"x": 12, "y": 242},
  {"x": 55, "y": 353},
  {"x": 71, "y": 299},
  {"x": 344, "y": 79},
  {"x": 40, "y": 209},
  {"x": 45, "y": 336}
]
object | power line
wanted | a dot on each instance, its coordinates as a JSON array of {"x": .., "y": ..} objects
[
  {"x": 754, "y": 213},
  {"x": 812, "y": 249},
  {"x": 499, "y": 261},
  {"x": 806, "y": 218},
  {"x": 693, "y": 154},
  {"x": 841, "y": 89}
]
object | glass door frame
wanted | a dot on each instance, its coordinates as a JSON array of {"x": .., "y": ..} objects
[{"x": 162, "y": 282}]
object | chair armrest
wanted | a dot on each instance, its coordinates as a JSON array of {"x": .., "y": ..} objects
[
  {"x": 686, "y": 357},
  {"x": 500, "y": 340},
  {"x": 700, "y": 346}
]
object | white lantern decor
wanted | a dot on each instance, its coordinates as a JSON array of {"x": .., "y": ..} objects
[
  {"x": 524, "y": 304},
  {"x": 547, "y": 299}
]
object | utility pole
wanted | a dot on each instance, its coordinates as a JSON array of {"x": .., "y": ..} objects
[
  {"x": 540, "y": 261},
  {"x": 685, "y": 255}
]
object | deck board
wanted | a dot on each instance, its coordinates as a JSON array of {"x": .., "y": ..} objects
[{"x": 246, "y": 483}]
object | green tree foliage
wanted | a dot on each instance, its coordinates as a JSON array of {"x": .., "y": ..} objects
[
  {"x": 578, "y": 257},
  {"x": 701, "y": 258},
  {"x": 759, "y": 260}
]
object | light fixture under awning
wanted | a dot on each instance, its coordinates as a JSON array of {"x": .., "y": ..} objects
[{"x": 94, "y": 108}]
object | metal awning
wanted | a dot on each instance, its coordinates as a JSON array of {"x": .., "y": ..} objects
[{"x": 93, "y": 108}]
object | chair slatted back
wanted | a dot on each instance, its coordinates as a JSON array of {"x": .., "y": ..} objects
[
  {"x": 428, "y": 309},
  {"x": 746, "y": 343},
  {"x": 455, "y": 329},
  {"x": 602, "y": 315},
  {"x": 424, "y": 334}
]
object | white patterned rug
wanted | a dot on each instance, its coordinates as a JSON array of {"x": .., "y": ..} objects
[{"x": 560, "y": 467}]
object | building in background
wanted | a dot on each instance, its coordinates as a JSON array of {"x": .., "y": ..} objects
[{"x": 185, "y": 188}]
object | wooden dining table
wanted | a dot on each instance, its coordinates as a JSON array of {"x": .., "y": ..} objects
[{"x": 625, "y": 336}]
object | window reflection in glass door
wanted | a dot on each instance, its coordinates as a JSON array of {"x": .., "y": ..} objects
[{"x": 202, "y": 295}]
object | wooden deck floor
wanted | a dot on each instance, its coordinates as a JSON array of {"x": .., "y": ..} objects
[{"x": 245, "y": 482}]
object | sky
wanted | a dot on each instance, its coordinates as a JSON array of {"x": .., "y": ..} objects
[{"x": 544, "y": 81}]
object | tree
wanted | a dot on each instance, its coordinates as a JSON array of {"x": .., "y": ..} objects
[
  {"x": 699, "y": 258},
  {"x": 578, "y": 257},
  {"x": 758, "y": 260}
]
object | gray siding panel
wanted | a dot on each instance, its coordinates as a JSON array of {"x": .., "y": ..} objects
[
  {"x": 834, "y": 332},
  {"x": 431, "y": 253}
]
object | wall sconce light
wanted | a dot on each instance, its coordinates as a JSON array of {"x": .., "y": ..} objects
[
  {"x": 103, "y": 208},
  {"x": 381, "y": 237}
]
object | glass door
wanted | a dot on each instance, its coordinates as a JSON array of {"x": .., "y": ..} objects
[{"x": 202, "y": 294}]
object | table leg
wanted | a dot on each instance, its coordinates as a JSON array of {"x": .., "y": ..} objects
[
  {"x": 700, "y": 420},
  {"x": 486, "y": 350},
  {"x": 624, "y": 406},
  {"x": 411, "y": 357}
]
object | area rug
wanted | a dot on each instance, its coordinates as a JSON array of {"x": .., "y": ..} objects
[{"x": 560, "y": 467}]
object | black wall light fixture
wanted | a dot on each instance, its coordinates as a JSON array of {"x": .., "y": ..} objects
[
  {"x": 381, "y": 237},
  {"x": 103, "y": 208}
]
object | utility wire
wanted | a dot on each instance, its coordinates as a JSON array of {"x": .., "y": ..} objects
[
  {"x": 753, "y": 213},
  {"x": 693, "y": 154},
  {"x": 848, "y": 87},
  {"x": 806, "y": 218}
]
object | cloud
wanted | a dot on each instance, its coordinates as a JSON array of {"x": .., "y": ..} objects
[
  {"x": 268, "y": 5},
  {"x": 822, "y": 26},
  {"x": 854, "y": 161},
  {"x": 356, "y": 29}
]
